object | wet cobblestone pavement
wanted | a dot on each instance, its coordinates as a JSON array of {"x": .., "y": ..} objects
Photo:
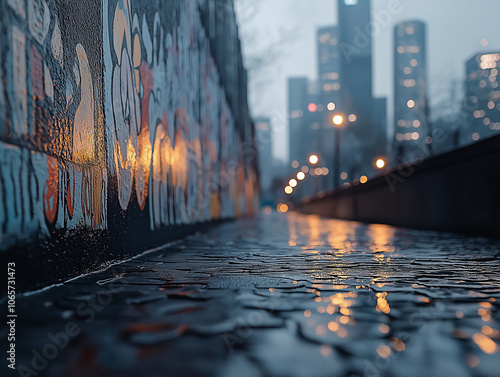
[{"x": 280, "y": 296}]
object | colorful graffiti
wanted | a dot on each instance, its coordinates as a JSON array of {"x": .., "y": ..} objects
[{"x": 119, "y": 119}]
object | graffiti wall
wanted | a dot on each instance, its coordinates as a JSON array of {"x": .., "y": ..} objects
[{"x": 119, "y": 127}]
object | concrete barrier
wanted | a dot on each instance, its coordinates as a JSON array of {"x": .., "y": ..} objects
[
  {"x": 458, "y": 192},
  {"x": 124, "y": 125}
]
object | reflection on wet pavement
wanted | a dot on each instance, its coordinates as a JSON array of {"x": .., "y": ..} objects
[{"x": 283, "y": 295}]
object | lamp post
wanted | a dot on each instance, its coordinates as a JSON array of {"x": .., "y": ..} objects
[
  {"x": 380, "y": 163},
  {"x": 338, "y": 120},
  {"x": 313, "y": 160}
]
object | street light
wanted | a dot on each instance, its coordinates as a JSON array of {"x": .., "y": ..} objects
[
  {"x": 288, "y": 190},
  {"x": 313, "y": 159},
  {"x": 380, "y": 163},
  {"x": 293, "y": 183},
  {"x": 301, "y": 176},
  {"x": 331, "y": 106},
  {"x": 337, "y": 120}
]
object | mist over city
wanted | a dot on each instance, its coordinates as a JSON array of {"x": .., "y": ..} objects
[{"x": 294, "y": 37}]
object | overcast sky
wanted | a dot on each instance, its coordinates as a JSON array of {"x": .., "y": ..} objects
[{"x": 455, "y": 31}]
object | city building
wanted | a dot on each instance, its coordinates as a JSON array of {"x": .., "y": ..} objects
[
  {"x": 305, "y": 122},
  {"x": 412, "y": 134},
  {"x": 328, "y": 59},
  {"x": 297, "y": 112},
  {"x": 328, "y": 64},
  {"x": 344, "y": 87},
  {"x": 482, "y": 97},
  {"x": 363, "y": 133},
  {"x": 356, "y": 59},
  {"x": 264, "y": 145}
]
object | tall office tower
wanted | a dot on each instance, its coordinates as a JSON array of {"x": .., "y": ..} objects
[
  {"x": 298, "y": 88},
  {"x": 411, "y": 139},
  {"x": 329, "y": 91},
  {"x": 356, "y": 102},
  {"x": 264, "y": 144},
  {"x": 328, "y": 63},
  {"x": 380, "y": 130},
  {"x": 482, "y": 97},
  {"x": 356, "y": 57}
]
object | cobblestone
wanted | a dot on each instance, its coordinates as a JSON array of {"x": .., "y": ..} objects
[{"x": 282, "y": 295}]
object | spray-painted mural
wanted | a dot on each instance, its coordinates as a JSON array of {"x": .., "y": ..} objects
[{"x": 115, "y": 120}]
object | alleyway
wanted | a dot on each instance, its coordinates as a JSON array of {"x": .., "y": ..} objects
[{"x": 283, "y": 295}]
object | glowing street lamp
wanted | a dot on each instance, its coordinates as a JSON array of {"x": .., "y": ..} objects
[
  {"x": 288, "y": 190},
  {"x": 293, "y": 183},
  {"x": 301, "y": 176},
  {"x": 380, "y": 163},
  {"x": 338, "y": 120},
  {"x": 331, "y": 106},
  {"x": 313, "y": 159}
]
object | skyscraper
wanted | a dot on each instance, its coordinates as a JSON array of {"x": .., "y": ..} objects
[
  {"x": 482, "y": 98},
  {"x": 329, "y": 91},
  {"x": 359, "y": 146},
  {"x": 297, "y": 112},
  {"x": 411, "y": 137},
  {"x": 263, "y": 139},
  {"x": 328, "y": 63},
  {"x": 356, "y": 58}
]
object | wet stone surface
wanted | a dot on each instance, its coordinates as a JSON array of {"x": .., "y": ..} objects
[{"x": 278, "y": 296}]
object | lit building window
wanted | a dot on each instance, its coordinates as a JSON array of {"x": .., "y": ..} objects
[
  {"x": 416, "y": 123},
  {"x": 415, "y": 136},
  {"x": 409, "y": 83},
  {"x": 410, "y": 104},
  {"x": 331, "y": 87},
  {"x": 488, "y": 65},
  {"x": 479, "y": 114},
  {"x": 407, "y": 70},
  {"x": 325, "y": 37},
  {"x": 414, "y": 62}
]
